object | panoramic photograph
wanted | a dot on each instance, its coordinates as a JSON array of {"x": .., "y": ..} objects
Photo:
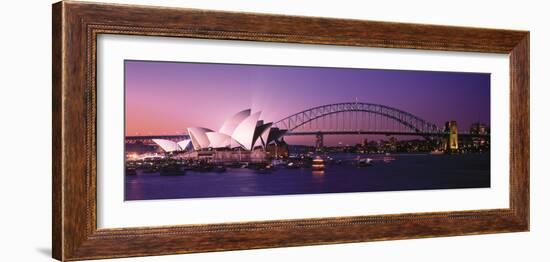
[{"x": 198, "y": 130}]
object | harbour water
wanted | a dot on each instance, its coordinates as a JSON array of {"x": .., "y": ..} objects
[{"x": 387, "y": 173}]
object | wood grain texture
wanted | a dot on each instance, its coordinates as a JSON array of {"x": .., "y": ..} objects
[
  {"x": 57, "y": 191},
  {"x": 76, "y": 26},
  {"x": 519, "y": 129}
]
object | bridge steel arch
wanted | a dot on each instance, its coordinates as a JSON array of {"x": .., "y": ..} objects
[{"x": 414, "y": 123}]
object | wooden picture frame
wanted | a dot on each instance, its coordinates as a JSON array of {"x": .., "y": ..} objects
[{"x": 76, "y": 26}]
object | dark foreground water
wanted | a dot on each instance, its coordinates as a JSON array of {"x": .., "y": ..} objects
[{"x": 405, "y": 172}]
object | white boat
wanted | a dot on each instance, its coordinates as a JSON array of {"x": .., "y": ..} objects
[
  {"x": 364, "y": 162},
  {"x": 277, "y": 162}
]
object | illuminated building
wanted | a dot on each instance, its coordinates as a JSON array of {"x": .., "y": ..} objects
[
  {"x": 452, "y": 139},
  {"x": 243, "y": 130},
  {"x": 479, "y": 134}
]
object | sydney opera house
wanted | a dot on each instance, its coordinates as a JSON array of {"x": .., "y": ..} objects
[{"x": 243, "y": 131}]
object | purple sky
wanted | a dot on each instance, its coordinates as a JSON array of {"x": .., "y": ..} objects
[{"x": 168, "y": 97}]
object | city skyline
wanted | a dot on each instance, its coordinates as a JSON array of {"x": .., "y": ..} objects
[{"x": 165, "y": 98}]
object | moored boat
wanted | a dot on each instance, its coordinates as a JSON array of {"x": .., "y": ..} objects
[
  {"x": 318, "y": 164},
  {"x": 364, "y": 162},
  {"x": 219, "y": 168},
  {"x": 171, "y": 170},
  {"x": 131, "y": 171},
  {"x": 437, "y": 152}
]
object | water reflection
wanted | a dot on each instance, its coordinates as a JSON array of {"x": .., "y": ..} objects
[
  {"x": 341, "y": 173},
  {"x": 318, "y": 177},
  {"x": 318, "y": 173}
]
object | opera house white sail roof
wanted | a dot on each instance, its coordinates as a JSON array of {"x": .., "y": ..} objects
[
  {"x": 171, "y": 146},
  {"x": 199, "y": 137},
  {"x": 218, "y": 140},
  {"x": 185, "y": 144},
  {"x": 231, "y": 123},
  {"x": 243, "y": 130}
]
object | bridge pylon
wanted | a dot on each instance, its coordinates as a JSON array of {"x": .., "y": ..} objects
[
  {"x": 319, "y": 143},
  {"x": 451, "y": 129}
]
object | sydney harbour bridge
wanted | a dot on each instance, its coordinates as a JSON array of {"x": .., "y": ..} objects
[{"x": 355, "y": 118}]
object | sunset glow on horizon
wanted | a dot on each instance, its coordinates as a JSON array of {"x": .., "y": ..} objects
[{"x": 165, "y": 98}]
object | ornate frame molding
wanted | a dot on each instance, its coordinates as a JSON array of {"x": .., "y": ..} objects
[{"x": 76, "y": 26}]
